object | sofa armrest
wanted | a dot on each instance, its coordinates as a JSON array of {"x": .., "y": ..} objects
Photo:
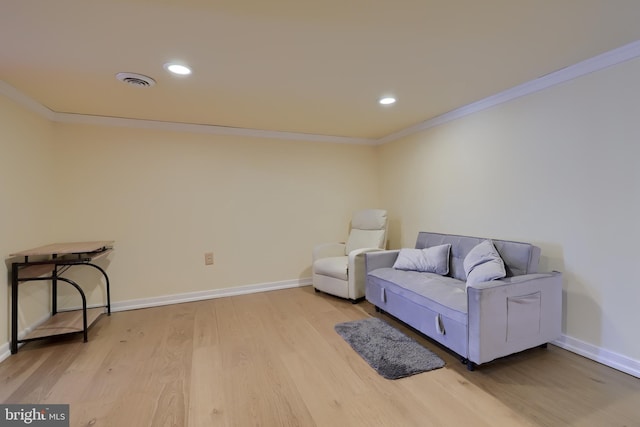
[
  {"x": 508, "y": 281},
  {"x": 509, "y": 315},
  {"x": 380, "y": 259},
  {"x": 357, "y": 271},
  {"x": 326, "y": 250}
]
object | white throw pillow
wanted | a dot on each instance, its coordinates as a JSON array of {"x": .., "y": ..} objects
[
  {"x": 429, "y": 260},
  {"x": 483, "y": 263}
]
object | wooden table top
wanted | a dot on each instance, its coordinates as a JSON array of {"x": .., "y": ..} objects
[{"x": 66, "y": 248}]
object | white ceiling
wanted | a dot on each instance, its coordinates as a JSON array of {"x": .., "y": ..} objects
[{"x": 301, "y": 66}]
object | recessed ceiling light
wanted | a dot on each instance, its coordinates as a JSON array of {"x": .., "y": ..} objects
[
  {"x": 179, "y": 69},
  {"x": 387, "y": 100}
]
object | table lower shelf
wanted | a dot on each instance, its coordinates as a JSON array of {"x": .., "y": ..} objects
[{"x": 64, "y": 322}]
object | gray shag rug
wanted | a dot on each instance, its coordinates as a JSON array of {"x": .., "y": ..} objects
[{"x": 390, "y": 352}]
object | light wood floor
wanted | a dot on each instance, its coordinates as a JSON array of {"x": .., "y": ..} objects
[{"x": 274, "y": 359}]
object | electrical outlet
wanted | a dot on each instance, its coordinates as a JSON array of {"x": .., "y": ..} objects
[{"x": 208, "y": 258}]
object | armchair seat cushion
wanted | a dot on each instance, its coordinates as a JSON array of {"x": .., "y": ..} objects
[{"x": 332, "y": 266}]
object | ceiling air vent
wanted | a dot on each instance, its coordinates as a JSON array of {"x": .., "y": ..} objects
[{"x": 134, "y": 79}]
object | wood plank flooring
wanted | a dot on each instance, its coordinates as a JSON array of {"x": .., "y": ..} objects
[
  {"x": 274, "y": 359},
  {"x": 65, "y": 322}
]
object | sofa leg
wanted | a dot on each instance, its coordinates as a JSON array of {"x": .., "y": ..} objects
[
  {"x": 377, "y": 309},
  {"x": 470, "y": 365},
  {"x": 316, "y": 289},
  {"x": 354, "y": 301},
  {"x": 543, "y": 345}
]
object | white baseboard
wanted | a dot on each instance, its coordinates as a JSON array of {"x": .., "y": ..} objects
[
  {"x": 204, "y": 295},
  {"x": 5, "y": 349},
  {"x": 600, "y": 355}
]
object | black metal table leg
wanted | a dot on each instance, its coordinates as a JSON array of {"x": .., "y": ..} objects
[
  {"x": 106, "y": 278},
  {"x": 85, "y": 327},
  {"x": 14, "y": 308}
]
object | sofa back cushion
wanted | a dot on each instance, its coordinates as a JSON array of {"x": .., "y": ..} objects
[{"x": 519, "y": 258}]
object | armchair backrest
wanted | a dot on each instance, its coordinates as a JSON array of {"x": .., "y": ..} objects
[{"x": 368, "y": 230}]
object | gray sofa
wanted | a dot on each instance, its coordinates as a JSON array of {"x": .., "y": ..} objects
[{"x": 480, "y": 321}]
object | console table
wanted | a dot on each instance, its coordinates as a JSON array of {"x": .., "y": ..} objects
[{"x": 52, "y": 261}]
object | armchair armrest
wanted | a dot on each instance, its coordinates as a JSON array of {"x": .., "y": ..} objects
[
  {"x": 357, "y": 271},
  {"x": 380, "y": 259},
  {"x": 513, "y": 314},
  {"x": 326, "y": 250}
]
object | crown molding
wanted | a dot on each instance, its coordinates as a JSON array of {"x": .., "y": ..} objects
[
  {"x": 597, "y": 63},
  {"x": 206, "y": 129},
  {"x": 27, "y": 102},
  {"x": 34, "y": 106}
]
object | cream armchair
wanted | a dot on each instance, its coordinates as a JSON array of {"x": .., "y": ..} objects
[{"x": 338, "y": 268}]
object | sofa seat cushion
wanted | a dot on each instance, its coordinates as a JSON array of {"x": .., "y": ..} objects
[
  {"x": 441, "y": 294},
  {"x": 332, "y": 266}
]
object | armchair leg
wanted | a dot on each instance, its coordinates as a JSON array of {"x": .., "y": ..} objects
[{"x": 316, "y": 289}]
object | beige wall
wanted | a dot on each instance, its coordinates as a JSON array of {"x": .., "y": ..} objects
[
  {"x": 167, "y": 197},
  {"x": 558, "y": 168},
  {"x": 25, "y": 203}
]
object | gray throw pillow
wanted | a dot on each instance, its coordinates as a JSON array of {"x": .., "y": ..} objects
[
  {"x": 483, "y": 263},
  {"x": 429, "y": 260}
]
